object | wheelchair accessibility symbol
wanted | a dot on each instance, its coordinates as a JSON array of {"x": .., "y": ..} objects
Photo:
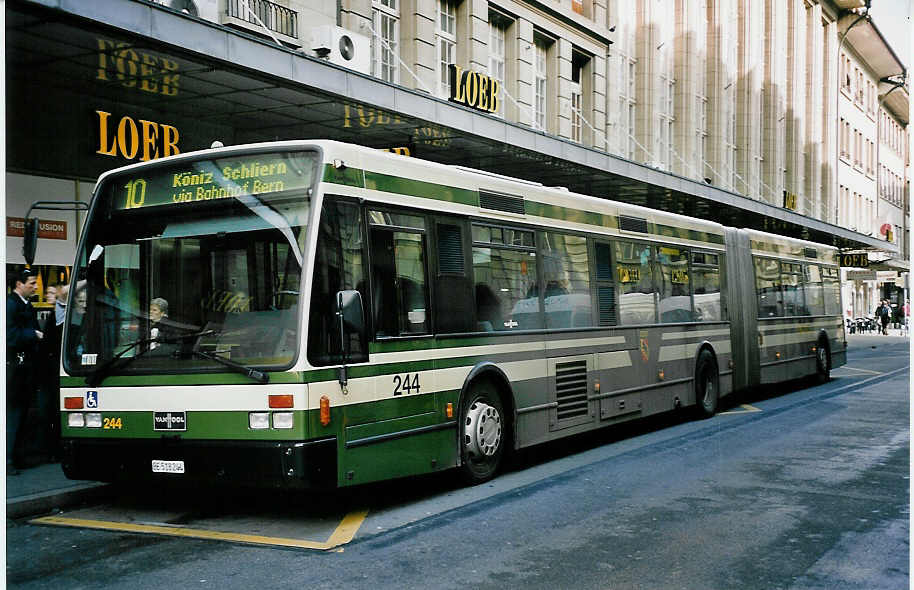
[{"x": 91, "y": 399}]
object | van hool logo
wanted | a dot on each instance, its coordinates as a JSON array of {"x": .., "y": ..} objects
[{"x": 169, "y": 421}]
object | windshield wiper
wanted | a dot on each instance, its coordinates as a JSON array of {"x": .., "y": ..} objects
[
  {"x": 103, "y": 371},
  {"x": 258, "y": 376}
]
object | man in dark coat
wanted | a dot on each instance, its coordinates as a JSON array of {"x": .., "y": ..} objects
[{"x": 22, "y": 339}]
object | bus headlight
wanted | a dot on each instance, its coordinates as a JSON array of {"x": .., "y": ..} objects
[
  {"x": 94, "y": 420},
  {"x": 259, "y": 420},
  {"x": 283, "y": 419},
  {"x": 76, "y": 420}
]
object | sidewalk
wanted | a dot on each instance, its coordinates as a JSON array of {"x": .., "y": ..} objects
[{"x": 42, "y": 489}]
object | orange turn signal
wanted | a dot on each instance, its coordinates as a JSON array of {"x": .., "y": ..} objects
[
  {"x": 325, "y": 410},
  {"x": 281, "y": 401},
  {"x": 73, "y": 403},
  {"x": 449, "y": 411}
]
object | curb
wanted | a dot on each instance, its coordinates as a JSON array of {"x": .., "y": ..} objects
[{"x": 45, "y": 502}]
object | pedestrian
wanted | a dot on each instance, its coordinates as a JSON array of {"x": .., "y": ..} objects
[
  {"x": 883, "y": 315},
  {"x": 22, "y": 338},
  {"x": 48, "y": 378}
]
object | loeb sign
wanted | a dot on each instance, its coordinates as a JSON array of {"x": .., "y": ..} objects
[{"x": 473, "y": 89}]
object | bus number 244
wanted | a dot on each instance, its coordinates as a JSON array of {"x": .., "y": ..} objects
[{"x": 407, "y": 383}]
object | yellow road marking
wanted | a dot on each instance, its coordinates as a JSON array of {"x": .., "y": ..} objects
[
  {"x": 746, "y": 409},
  {"x": 342, "y": 535}
]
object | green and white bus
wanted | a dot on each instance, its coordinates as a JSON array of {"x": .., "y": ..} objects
[{"x": 337, "y": 315}]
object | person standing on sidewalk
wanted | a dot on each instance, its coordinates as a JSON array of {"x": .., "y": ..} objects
[
  {"x": 48, "y": 377},
  {"x": 22, "y": 338},
  {"x": 883, "y": 315}
]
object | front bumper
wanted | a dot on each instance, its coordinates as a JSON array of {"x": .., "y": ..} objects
[{"x": 267, "y": 464}]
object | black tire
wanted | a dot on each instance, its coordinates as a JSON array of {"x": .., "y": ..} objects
[
  {"x": 483, "y": 433},
  {"x": 707, "y": 384},
  {"x": 823, "y": 362}
]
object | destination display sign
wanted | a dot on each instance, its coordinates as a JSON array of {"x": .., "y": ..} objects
[
  {"x": 860, "y": 260},
  {"x": 205, "y": 180}
]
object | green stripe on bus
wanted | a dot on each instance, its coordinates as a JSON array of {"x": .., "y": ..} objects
[
  {"x": 686, "y": 234},
  {"x": 419, "y": 188},
  {"x": 344, "y": 176},
  {"x": 571, "y": 215}
]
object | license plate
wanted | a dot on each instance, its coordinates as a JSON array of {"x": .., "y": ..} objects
[{"x": 159, "y": 466}]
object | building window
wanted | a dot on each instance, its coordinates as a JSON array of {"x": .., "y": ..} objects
[
  {"x": 498, "y": 27},
  {"x": 539, "y": 84},
  {"x": 446, "y": 41},
  {"x": 664, "y": 149},
  {"x": 385, "y": 17},
  {"x": 627, "y": 106},
  {"x": 577, "y": 101}
]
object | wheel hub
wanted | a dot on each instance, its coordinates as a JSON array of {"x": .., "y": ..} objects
[{"x": 482, "y": 432}]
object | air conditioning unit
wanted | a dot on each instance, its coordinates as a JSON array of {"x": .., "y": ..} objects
[{"x": 342, "y": 47}]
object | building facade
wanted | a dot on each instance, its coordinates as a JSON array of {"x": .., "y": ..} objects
[{"x": 773, "y": 105}]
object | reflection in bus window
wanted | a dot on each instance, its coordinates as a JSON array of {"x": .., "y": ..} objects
[
  {"x": 794, "y": 303},
  {"x": 338, "y": 266},
  {"x": 675, "y": 299},
  {"x": 635, "y": 283},
  {"x": 398, "y": 282},
  {"x": 812, "y": 286},
  {"x": 768, "y": 286},
  {"x": 566, "y": 280},
  {"x": 507, "y": 295},
  {"x": 708, "y": 299},
  {"x": 831, "y": 287}
]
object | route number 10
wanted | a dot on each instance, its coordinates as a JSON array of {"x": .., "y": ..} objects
[{"x": 136, "y": 193}]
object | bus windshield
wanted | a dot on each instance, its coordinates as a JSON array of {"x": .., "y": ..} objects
[{"x": 185, "y": 262}]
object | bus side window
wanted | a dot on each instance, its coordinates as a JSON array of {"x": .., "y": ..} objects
[
  {"x": 398, "y": 275},
  {"x": 338, "y": 266},
  {"x": 634, "y": 275},
  {"x": 794, "y": 303},
  {"x": 812, "y": 283},
  {"x": 566, "y": 279},
  {"x": 675, "y": 296},
  {"x": 831, "y": 287},
  {"x": 710, "y": 305},
  {"x": 507, "y": 287},
  {"x": 768, "y": 287}
]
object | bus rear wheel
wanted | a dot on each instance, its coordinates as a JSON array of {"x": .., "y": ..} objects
[
  {"x": 707, "y": 384},
  {"x": 482, "y": 434}
]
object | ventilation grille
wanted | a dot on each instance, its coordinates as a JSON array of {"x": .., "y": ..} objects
[
  {"x": 496, "y": 202},
  {"x": 606, "y": 297},
  {"x": 450, "y": 250},
  {"x": 571, "y": 389},
  {"x": 810, "y": 253},
  {"x": 635, "y": 224}
]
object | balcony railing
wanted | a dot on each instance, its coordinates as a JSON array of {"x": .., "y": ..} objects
[{"x": 278, "y": 19}]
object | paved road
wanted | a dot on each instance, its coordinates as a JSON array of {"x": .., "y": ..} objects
[{"x": 802, "y": 488}]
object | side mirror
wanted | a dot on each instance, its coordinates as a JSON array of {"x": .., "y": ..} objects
[
  {"x": 349, "y": 308},
  {"x": 30, "y": 240}
]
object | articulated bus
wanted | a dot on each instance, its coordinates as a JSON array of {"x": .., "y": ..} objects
[{"x": 312, "y": 314}]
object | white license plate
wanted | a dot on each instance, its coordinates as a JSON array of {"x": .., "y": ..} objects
[{"x": 159, "y": 466}]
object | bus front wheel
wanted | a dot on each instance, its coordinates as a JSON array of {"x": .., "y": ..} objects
[
  {"x": 482, "y": 434},
  {"x": 707, "y": 384}
]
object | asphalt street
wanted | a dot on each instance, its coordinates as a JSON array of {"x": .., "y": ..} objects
[{"x": 792, "y": 487}]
